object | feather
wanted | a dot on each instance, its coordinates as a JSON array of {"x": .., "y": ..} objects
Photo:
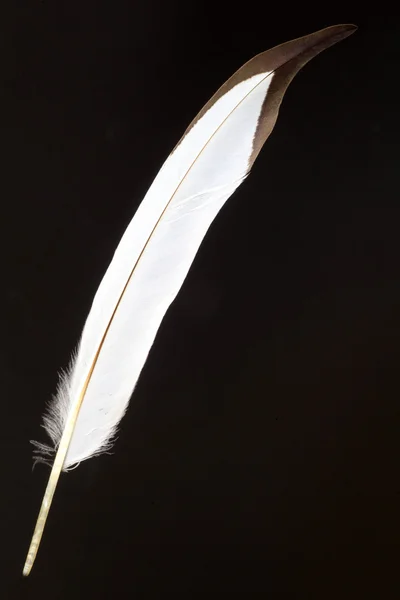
[{"x": 152, "y": 260}]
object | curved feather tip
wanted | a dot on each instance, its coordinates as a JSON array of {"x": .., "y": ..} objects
[{"x": 150, "y": 263}]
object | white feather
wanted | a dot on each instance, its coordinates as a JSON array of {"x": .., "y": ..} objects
[{"x": 157, "y": 250}]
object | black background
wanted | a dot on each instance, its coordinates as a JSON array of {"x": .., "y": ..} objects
[{"x": 259, "y": 455}]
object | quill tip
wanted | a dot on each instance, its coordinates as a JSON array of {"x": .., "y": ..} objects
[{"x": 30, "y": 559}]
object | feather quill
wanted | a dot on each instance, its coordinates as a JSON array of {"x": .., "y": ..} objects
[{"x": 155, "y": 253}]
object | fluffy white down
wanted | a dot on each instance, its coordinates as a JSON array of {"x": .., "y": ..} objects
[{"x": 190, "y": 189}]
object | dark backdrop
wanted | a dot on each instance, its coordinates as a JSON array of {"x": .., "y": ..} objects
[{"x": 259, "y": 455}]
